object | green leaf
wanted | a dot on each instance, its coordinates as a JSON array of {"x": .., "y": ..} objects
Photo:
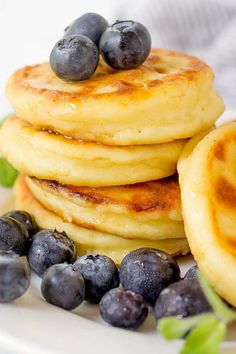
[
  {"x": 171, "y": 327},
  {"x": 8, "y": 173},
  {"x": 219, "y": 307},
  {"x": 3, "y": 120},
  {"x": 206, "y": 330},
  {"x": 174, "y": 327},
  {"x": 205, "y": 338}
]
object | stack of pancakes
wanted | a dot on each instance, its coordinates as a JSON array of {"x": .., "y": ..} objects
[{"x": 98, "y": 157}]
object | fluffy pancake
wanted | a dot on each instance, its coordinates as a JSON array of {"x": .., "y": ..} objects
[
  {"x": 208, "y": 186},
  {"x": 87, "y": 240},
  {"x": 150, "y": 210},
  {"x": 46, "y": 155},
  {"x": 169, "y": 97}
]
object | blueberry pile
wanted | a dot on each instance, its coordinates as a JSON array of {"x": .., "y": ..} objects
[
  {"x": 123, "y": 45},
  {"x": 147, "y": 276}
]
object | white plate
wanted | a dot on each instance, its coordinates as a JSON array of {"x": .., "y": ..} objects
[{"x": 32, "y": 326}]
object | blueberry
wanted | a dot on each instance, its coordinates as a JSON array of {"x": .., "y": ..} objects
[
  {"x": 125, "y": 44},
  {"x": 13, "y": 236},
  {"x": 25, "y": 218},
  {"x": 74, "y": 58},
  {"x": 50, "y": 247},
  {"x": 123, "y": 308},
  {"x": 100, "y": 274},
  {"x": 147, "y": 271},
  {"x": 184, "y": 298},
  {"x": 14, "y": 276},
  {"x": 191, "y": 273},
  {"x": 90, "y": 25},
  {"x": 63, "y": 286}
]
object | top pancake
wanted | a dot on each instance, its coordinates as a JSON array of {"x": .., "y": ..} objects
[
  {"x": 169, "y": 97},
  {"x": 208, "y": 188}
]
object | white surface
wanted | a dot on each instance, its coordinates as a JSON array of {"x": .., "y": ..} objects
[{"x": 32, "y": 326}]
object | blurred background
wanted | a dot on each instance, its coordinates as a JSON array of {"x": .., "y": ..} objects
[{"x": 206, "y": 28}]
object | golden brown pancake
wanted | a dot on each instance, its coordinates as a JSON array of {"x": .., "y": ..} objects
[
  {"x": 150, "y": 210},
  {"x": 87, "y": 240},
  {"x": 169, "y": 97},
  {"x": 208, "y": 186},
  {"x": 45, "y": 155}
]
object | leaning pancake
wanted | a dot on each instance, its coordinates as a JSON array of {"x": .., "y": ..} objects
[
  {"x": 169, "y": 97},
  {"x": 208, "y": 188},
  {"x": 88, "y": 240},
  {"x": 46, "y": 155},
  {"x": 150, "y": 210}
]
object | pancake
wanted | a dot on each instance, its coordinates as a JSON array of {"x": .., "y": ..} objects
[
  {"x": 150, "y": 210},
  {"x": 208, "y": 186},
  {"x": 86, "y": 240},
  {"x": 169, "y": 97},
  {"x": 45, "y": 155}
]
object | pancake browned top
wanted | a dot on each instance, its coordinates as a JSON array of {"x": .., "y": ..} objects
[
  {"x": 170, "y": 96},
  {"x": 207, "y": 170},
  {"x": 161, "y": 195},
  {"x": 222, "y": 198},
  {"x": 88, "y": 240},
  {"x": 160, "y": 67}
]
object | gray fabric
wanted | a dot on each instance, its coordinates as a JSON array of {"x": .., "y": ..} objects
[{"x": 205, "y": 28}]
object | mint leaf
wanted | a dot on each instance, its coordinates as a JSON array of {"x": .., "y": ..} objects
[
  {"x": 171, "y": 327},
  {"x": 207, "y": 329},
  {"x": 3, "y": 120},
  {"x": 8, "y": 173},
  {"x": 174, "y": 327},
  {"x": 205, "y": 338},
  {"x": 219, "y": 307}
]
